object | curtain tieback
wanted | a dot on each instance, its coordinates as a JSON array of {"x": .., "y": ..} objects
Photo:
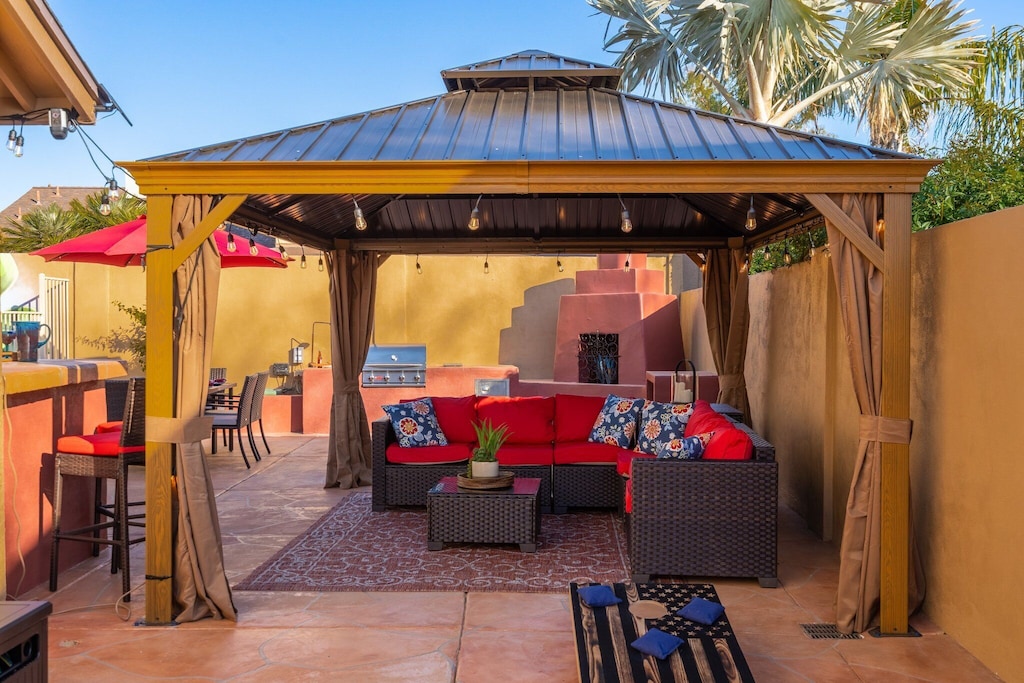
[
  {"x": 726, "y": 382},
  {"x": 349, "y": 387},
  {"x": 885, "y": 429},
  {"x": 178, "y": 429}
]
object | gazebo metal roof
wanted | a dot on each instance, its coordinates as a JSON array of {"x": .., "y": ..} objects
[{"x": 532, "y": 107}]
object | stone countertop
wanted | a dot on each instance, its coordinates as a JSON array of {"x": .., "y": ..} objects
[{"x": 23, "y": 377}]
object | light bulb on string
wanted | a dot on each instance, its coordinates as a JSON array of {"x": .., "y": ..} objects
[
  {"x": 253, "y": 251},
  {"x": 558, "y": 264},
  {"x": 12, "y": 137},
  {"x": 113, "y": 191},
  {"x": 419, "y": 268},
  {"x": 19, "y": 146},
  {"x": 280, "y": 248},
  {"x": 474, "y": 215},
  {"x": 703, "y": 263},
  {"x": 751, "y": 223},
  {"x": 814, "y": 249},
  {"x": 487, "y": 265},
  {"x": 357, "y": 213},
  {"x": 232, "y": 247},
  {"x": 302, "y": 261},
  {"x": 625, "y": 224},
  {"x": 105, "y": 205},
  {"x": 625, "y": 267},
  {"x": 787, "y": 258},
  {"x": 320, "y": 263},
  {"x": 746, "y": 262}
]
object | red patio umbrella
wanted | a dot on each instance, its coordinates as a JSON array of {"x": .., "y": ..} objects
[{"x": 125, "y": 245}]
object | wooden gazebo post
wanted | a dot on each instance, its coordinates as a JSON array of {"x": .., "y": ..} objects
[{"x": 895, "y": 403}]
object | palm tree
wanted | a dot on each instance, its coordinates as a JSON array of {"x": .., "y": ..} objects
[
  {"x": 787, "y": 61},
  {"x": 991, "y": 112},
  {"x": 40, "y": 228}
]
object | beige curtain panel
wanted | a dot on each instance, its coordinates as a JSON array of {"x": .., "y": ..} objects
[
  {"x": 353, "y": 286},
  {"x": 200, "y": 584},
  {"x": 860, "y": 288},
  {"x": 728, "y": 320}
]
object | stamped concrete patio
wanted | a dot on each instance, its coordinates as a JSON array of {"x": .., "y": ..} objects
[{"x": 427, "y": 637}]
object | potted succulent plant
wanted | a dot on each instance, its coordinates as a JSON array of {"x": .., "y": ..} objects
[{"x": 484, "y": 462}]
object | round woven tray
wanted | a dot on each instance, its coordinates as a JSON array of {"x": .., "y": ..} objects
[{"x": 502, "y": 481}]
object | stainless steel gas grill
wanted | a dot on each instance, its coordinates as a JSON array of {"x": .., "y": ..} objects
[{"x": 396, "y": 365}]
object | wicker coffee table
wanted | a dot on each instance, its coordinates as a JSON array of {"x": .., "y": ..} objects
[{"x": 509, "y": 515}]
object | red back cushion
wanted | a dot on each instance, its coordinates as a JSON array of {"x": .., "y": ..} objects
[
  {"x": 456, "y": 417},
  {"x": 530, "y": 419},
  {"x": 575, "y": 416},
  {"x": 729, "y": 444}
]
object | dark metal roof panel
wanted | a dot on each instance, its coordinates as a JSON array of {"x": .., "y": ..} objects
[{"x": 571, "y": 124}]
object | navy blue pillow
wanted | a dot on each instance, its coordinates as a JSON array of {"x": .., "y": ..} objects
[
  {"x": 657, "y": 643},
  {"x": 415, "y": 424},
  {"x": 702, "y": 611},
  {"x": 597, "y": 596}
]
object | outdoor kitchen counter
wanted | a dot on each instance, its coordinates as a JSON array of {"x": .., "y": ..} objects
[{"x": 41, "y": 401}]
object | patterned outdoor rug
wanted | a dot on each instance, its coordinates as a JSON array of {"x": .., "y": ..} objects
[{"x": 352, "y": 548}]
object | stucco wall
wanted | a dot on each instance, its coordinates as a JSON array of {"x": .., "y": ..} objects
[
  {"x": 507, "y": 316},
  {"x": 966, "y": 466}
]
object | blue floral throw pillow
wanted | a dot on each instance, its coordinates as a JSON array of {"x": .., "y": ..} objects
[
  {"x": 415, "y": 424},
  {"x": 661, "y": 424},
  {"x": 616, "y": 423},
  {"x": 690, "y": 448}
]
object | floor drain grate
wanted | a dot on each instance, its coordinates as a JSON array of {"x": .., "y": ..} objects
[{"x": 828, "y": 632}]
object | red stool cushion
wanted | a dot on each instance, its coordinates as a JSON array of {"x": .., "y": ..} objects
[
  {"x": 108, "y": 444},
  {"x": 113, "y": 426}
]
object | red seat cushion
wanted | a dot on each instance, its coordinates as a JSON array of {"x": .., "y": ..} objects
[
  {"x": 427, "y": 455},
  {"x": 107, "y": 444},
  {"x": 586, "y": 452},
  {"x": 525, "y": 454},
  {"x": 624, "y": 462},
  {"x": 530, "y": 419},
  {"x": 575, "y": 416},
  {"x": 112, "y": 426}
]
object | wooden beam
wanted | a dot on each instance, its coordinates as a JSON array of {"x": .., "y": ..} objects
[
  {"x": 68, "y": 75},
  {"x": 895, "y": 403},
  {"x": 21, "y": 91},
  {"x": 159, "y": 403},
  {"x": 218, "y": 214},
  {"x": 534, "y": 246},
  {"x": 526, "y": 177},
  {"x": 846, "y": 225}
]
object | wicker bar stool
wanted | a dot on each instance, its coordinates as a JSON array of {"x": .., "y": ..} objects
[{"x": 106, "y": 455}]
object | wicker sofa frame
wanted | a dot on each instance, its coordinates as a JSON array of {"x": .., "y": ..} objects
[{"x": 704, "y": 518}]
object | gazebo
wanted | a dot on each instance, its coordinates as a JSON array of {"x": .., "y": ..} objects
[{"x": 546, "y": 155}]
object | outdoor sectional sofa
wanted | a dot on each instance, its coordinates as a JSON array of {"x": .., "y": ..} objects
[{"x": 683, "y": 517}]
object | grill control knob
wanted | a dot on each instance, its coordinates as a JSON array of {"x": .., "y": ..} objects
[{"x": 401, "y": 377}]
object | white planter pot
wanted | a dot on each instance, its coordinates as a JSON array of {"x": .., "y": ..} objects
[{"x": 485, "y": 470}]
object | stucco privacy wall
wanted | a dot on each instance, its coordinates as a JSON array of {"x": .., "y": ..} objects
[
  {"x": 463, "y": 315},
  {"x": 966, "y": 466}
]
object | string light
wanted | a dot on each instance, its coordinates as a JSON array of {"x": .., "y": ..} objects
[
  {"x": 419, "y": 268},
  {"x": 880, "y": 231},
  {"x": 19, "y": 146},
  {"x": 703, "y": 263},
  {"x": 357, "y": 213},
  {"x": 113, "y": 191},
  {"x": 253, "y": 251},
  {"x": 232, "y": 247},
  {"x": 474, "y": 215},
  {"x": 625, "y": 224},
  {"x": 320, "y": 263},
  {"x": 786, "y": 256},
  {"x": 487, "y": 265},
  {"x": 558, "y": 264},
  {"x": 751, "y": 223},
  {"x": 104, "y": 204},
  {"x": 280, "y": 248},
  {"x": 12, "y": 137},
  {"x": 302, "y": 261},
  {"x": 814, "y": 249},
  {"x": 746, "y": 262},
  {"x": 625, "y": 268}
]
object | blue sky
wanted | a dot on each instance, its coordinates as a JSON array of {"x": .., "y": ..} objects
[{"x": 195, "y": 72}]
